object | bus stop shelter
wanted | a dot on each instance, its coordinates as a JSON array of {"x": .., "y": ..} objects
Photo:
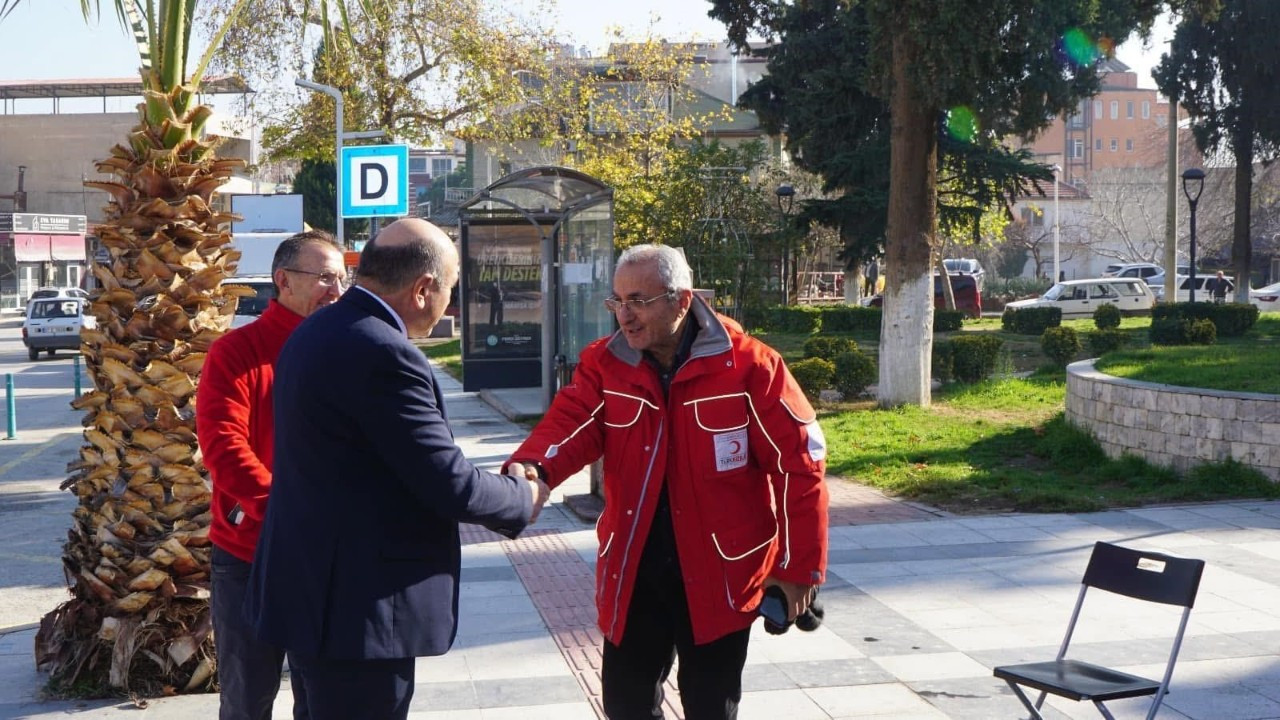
[{"x": 537, "y": 264}]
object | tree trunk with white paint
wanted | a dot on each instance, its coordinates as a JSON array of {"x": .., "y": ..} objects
[{"x": 906, "y": 330}]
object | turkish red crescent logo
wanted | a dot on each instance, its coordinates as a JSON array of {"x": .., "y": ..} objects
[{"x": 735, "y": 447}]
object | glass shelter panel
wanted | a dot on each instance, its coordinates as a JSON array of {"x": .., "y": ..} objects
[{"x": 585, "y": 249}]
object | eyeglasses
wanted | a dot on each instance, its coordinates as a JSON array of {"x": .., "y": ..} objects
[
  {"x": 331, "y": 279},
  {"x": 614, "y": 304}
]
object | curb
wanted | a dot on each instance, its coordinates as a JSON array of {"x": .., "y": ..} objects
[{"x": 492, "y": 400}]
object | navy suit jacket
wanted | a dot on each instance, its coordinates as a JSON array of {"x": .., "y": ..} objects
[{"x": 359, "y": 554}]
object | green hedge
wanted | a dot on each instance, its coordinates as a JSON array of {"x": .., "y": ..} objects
[
  {"x": 854, "y": 371},
  {"x": 944, "y": 361},
  {"x": 1183, "y": 331},
  {"x": 794, "y": 319},
  {"x": 974, "y": 358},
  {"x": 828, "y": 347},
  {"x": 1031, "y": 321},
  {"x": 814, "y": 375},
  {"x": 1102, "y": 342},
  {"x": 1106, "y": 317},
  {"x": 1060, "y": 344},
  {"x": 1229, "y": 319},
  {"x": 947, "y": 320},
  {"x": 851, "y": 318}
]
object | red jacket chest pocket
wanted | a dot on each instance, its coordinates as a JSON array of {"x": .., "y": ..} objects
[{"x": 719, "y": 432}]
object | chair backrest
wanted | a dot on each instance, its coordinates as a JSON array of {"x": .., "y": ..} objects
[{"x": 1144, "y": 575}]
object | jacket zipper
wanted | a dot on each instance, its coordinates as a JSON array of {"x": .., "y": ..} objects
[{"x": 631, "y": 536}]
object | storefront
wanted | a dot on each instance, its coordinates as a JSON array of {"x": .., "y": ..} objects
[{"x": 39, "y": 250}]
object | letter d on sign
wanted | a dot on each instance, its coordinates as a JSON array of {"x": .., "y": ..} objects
[{"x": 368, "y": 190}]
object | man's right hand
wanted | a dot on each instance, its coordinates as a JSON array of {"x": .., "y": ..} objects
[{"x": 539, "y": 489}]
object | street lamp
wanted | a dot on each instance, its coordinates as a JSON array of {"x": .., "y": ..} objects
[
  {"x": 1057, "y": 274},
  {"x": 786, "y": 197},
  {"x": 1192, "y": 186}
]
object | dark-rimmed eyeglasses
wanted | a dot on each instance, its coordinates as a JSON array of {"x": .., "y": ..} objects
[
  {"x": 614, "y": 304},
  {"x": 331, "y": 279}
]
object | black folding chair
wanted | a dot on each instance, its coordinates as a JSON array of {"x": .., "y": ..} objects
[{"x": 1150, "y": 576}]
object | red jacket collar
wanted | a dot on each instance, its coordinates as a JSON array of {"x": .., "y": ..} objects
[{"x": 280, "y": 317}]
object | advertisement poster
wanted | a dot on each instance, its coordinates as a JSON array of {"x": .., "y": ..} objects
[{"x": 504, "y": 293}]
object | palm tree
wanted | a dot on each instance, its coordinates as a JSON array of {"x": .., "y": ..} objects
[{"x": 137, "y": 554}]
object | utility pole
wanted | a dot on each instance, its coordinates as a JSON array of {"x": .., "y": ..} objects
[{"x": 1171, "y": 208}]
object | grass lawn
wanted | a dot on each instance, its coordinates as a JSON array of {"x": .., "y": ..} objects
[
  {"x": 1003, "y": 445},
  {"x": 1240, "y": 364},
  {"x": 446, "y": 352}
]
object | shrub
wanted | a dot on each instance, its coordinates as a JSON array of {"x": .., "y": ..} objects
[
  {"x": 828, "y": 348},
  {"x": 1060, "y": 344},
  {"x": 1168, "y": 331},
  {"x": 1234, "y": 319},
  {"x": 854, "y": 371},
  {"x": 793, "y": 319},
  {"x": 1031, "y": 321},
  {"x": 1229, "y": 319},
  {"x": 814, "y": 375},
  {"x": 974, "y": 358},
  {"x": 947, "y": 320},
  {"x": 1102, "y": 342},
  {"x": 943, "y": 362},
  {"x": 1106, "y": 317},
  {"x": 851, "y": 318},
  {"x": 1201, "y": 332}
]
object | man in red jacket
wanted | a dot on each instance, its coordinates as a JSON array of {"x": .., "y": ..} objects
[
  {"x": 713, "y": 485},
  {"x": 234, "y": 425}
]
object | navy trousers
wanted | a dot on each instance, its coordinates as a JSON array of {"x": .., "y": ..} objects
[
  {"x": 355, "y": 689},
  {"x": 248, "y": 669}
]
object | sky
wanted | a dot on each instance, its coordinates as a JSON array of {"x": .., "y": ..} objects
[{"x": 45, "y": 39}]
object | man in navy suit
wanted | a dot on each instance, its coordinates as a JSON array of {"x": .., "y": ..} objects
[{"x": 356, "y": 571}]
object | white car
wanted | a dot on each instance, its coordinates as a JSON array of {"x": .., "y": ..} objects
[
  {"x": 1266, "y": 298},
  {"x": 55, "y": 292},
  {"x": 54, "y": 324},
  {"x": 1204, "y": 293},
  {"x": 249, "y": 308},
  {"x": 1079, "y": 298},
  {"x": 1142, "y": 270}
]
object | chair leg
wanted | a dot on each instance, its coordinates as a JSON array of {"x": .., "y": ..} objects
[
  {"x": 1103, "y": 709},
  {"x": 1034, "y": 708}
]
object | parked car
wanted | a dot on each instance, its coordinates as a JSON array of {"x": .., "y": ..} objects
[
  {"x": 55, "y": 292},
  {"x": 1079, "y": 298},
  {"x": 54, "y": 324},
  {"x": 966, "y": 266},
  {"x": 1157, "y": 281},
  {"x": 1266, "y": 298},
  {"x": 1202, "y": 295},
  {"x": 251, "y": 306},
  {"x": 964, "y": 287},
  {"x": 1142, "y": 270}
]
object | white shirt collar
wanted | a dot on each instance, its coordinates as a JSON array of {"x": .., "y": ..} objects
[{"x": 394, "y": 314}]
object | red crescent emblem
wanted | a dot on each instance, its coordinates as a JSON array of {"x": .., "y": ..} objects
[{"x": 735, "y": 447}]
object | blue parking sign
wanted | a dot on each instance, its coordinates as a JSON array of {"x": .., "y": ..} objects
[{"x": 375, "y": 181}]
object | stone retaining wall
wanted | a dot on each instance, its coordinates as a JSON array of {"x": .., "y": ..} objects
[{"x": 1173, "y": 426}]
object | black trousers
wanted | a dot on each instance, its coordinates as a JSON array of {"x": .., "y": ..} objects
[
  {"x": 355, "y": 689},
  {"x": 248, "y": 669},
  {"x": 658, "y": 629}
]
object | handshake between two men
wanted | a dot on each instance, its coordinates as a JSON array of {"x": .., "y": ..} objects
[{"x": 541, "y": 493}]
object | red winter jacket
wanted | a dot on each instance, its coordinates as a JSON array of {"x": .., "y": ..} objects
[
  {"x": 742, "y": 456},
  {"x": 234, "y": 425}
]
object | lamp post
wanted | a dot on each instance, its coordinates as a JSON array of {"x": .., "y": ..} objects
[
  {"x": 1192, "y": 186},
  {"x": 1057, "y": 274},
  {"x": 786, "y": 196}
]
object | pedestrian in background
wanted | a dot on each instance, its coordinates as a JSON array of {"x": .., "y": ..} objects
[
  {"x": 234, "y": 426},
  {"x": 357, "y": 569},
  {"x": 713, "y": 485}
]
